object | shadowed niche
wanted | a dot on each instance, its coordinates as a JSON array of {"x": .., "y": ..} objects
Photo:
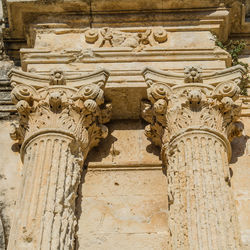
[
  {"x": 238, "y": 147},
  {"x": 78, "y": 208}
]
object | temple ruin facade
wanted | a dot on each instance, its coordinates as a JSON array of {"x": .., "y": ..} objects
[{"x": 124, "y": 125}]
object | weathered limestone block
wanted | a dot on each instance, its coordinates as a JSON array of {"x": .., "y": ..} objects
[
  {"x": 240, "y": 180},
  {"x": 121, "y": 203},
  {"x": 193, "y": 117},
  {"x": 61, "y": 119},
  {"x": 127, "y": 210}
]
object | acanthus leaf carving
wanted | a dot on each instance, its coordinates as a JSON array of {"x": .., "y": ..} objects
[{"x": 61, "y": 122}]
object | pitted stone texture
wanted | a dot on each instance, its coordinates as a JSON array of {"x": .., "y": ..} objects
[
  {"x": 58, "y": 124},
  {"x": 128, "y": 209},
  {"x": 193, "y": 122},
  {"x": 10, "y": 173},
  {"x": 240, "y": 171}
]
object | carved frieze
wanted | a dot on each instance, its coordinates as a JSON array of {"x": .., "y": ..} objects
[{"x": 136, "y": 39}]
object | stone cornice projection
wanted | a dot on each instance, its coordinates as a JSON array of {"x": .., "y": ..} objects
[
  {"x": 101, "y": 14},
  {"x": 193, "y": 117},
  {"x": 61, "y": 119},
  {"x": 219, "y": 17}
]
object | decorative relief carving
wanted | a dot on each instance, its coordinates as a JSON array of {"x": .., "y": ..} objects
[
  {"x": 57, "y": 77},
  {"x": 193, "y": 74},
  {"x": 137, "y": 40},
  {"x": 91, "y": 36}
]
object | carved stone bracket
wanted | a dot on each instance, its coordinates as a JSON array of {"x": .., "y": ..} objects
[
  {"x": 61, "y": 119},
  {"x": 193, "y": 117}
]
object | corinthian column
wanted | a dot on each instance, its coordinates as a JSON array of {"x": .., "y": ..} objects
[
  {"x": 60, "y": 121},
  {"x": 193, "y": 119}
]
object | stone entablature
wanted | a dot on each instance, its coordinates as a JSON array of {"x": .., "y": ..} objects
[{"x": 124, "y": 52}]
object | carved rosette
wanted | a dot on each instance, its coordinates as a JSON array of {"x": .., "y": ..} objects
[
  {"x": 193, "y": 119},
  {"x": 60, "y": 120}
]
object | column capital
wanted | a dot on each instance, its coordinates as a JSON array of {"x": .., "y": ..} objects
[
  {"x": 60, "y": 104},
  {"x": 179, "y": 103}
]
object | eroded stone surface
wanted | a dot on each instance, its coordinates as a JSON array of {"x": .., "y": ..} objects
[
  {"x": 124, "y": 199},
  {"x": 127, "y": 206},
  {"x": 59, "y": 122}
]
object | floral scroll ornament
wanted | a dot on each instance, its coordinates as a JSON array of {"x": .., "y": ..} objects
[{"x": 170, "y": 111}]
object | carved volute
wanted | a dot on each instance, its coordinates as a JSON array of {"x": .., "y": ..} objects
[{"x": 193, "y": 117}]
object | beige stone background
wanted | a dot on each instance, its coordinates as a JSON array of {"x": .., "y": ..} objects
[{"x": 122, "y": 200}]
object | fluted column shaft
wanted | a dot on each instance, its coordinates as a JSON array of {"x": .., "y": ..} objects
[
  {"x": 201, "y": 209},
  {"x": 51, "y": 175}
]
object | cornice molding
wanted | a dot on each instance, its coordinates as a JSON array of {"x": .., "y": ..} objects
[{"x": 208, "y": 15}]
